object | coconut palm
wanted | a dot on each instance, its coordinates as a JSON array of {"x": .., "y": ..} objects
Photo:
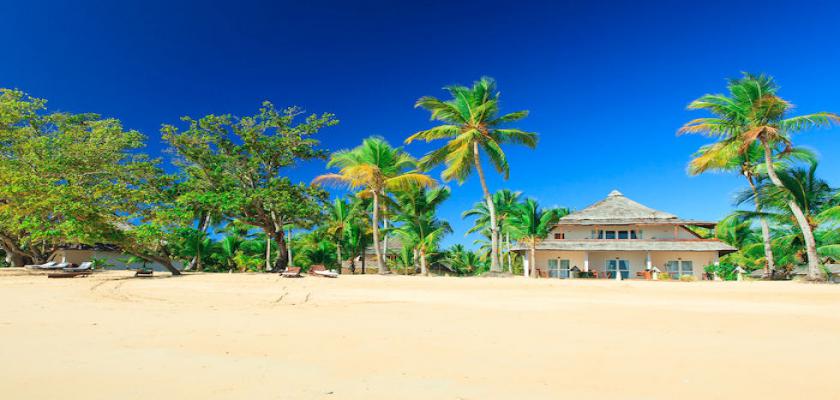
[
  {"x": 375, "y": 167},
  {"x": 753, "y": 112},
  {"x": 463, "y": 261},
  {"x": 415, "y": 210},
  {"x": 812, "y": 195},
  {"x": 530, "y": 224},
  {"x": 471, "y": 124},
  {"x": 728, "y": 156},
  {"x": 504, "y": 201},
  {"x": 339, "y": 218}
]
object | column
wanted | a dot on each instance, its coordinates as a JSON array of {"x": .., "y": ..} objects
[
  {"x": 648, "y": 265},
  {"x": 585, "y": 261}
]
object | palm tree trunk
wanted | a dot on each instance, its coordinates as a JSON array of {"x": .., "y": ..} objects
[
  {"x": 807, "y": 234},
  {"x": 532, "y": 259},
  {"x": 338, "y": 253},
  {"x": 494, "y": 225},
  {"x": 770, "y": 265},
  {"x": 416, "y": 261},
  {"x": 509, "y": 259},
  {"x": 423, "y": 269},
  {"x": 375, "y": 222}
]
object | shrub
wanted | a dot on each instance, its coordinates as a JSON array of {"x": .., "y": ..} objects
[
  {"x": 664, "y": 276},
  {"x": 687, "y": 278}
]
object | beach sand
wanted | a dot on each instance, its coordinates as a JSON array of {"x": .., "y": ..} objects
[{"x": 259, "y": 336}]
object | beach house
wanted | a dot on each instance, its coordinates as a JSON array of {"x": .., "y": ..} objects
[{"x": 620, "y": 236}]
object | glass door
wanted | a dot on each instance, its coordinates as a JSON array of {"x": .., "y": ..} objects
[
  {"x": 564, "y": 269},
  {"x": 553, "y": 269},
  {"x": 623, "y": 267}
]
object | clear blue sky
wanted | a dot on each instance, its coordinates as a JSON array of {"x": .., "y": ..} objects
[{"x": 606, "y": 84}]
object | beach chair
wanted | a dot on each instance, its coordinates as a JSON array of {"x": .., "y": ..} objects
[
  {"x": 291, "y": 272},
  {"x": 144, "y": 273},
  {"x": 320, "y": 270},
  {"x": 85, "y": 266},
  {"x": 69, "y": 274},
  {"x": 48, "y": 265}
]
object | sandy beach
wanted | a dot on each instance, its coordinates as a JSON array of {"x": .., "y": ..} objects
[{"x": 223, "y": 336}]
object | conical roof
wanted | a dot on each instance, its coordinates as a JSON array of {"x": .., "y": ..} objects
[{"x": 617, "y": 209}]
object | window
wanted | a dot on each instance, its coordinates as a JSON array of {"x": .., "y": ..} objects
[
  {"x": 558, "y": 268},
  {"x": 676, "y": 268},
  {"x": 624, "y": 235},
  {"x": 561, "y": 235}
]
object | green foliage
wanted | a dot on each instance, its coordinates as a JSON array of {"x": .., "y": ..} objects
[
  {"x": 464, "y": 262},
  {"x": 233, "y": 166}
]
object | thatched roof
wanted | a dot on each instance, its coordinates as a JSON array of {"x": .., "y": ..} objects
[
  {"x": 619, "y": 210},
  {"x": 633, "y": 245}
]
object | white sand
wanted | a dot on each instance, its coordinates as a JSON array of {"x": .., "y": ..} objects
[{"x": 367, "y": 337}]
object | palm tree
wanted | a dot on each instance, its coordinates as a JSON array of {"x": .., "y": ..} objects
[
  {"x": 472, "y": 124},
  {"x": 340, "y": 217},
  {"x": 728, "y": 156},
  {"x": 463, "y": 261},
  {"x": 375, "y": 167},
  {"x": 415, "y": 209},
  {"x": 752, "y": 112},
  {"x": 504, "y": 200},
  {"x": 530, "y": 224}
]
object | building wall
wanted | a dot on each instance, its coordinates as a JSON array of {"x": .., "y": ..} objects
[
  {"x": 643, "y": 231},
  {"x": 637, "y": 259}
]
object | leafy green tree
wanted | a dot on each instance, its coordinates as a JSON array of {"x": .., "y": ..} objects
[
  {"x": 73, "y": 178},
  {"x": 234, "y": 166},
  {"x": 753, "y": 112},
  {"x": 374, "y": 168},
  {"x": 471, "y": 124},
  {"x": 530, "y": 224}
]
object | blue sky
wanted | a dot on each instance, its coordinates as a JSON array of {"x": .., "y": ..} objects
[{"x": 606, "y": 84}]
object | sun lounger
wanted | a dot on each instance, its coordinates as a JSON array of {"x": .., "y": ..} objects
[
  {"x": 48, "y": 265},
  {"x": 291, "y": 272},
  {"x": 59, "y": 266},
  {"x": 144, "y": 273},
  {"x": 85, "y": 266},
  {"x": 69, "y": 274},
  {"x": 320, "y": 270}
]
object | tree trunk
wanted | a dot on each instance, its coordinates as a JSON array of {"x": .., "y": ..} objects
[
  {"x": 267, "y": 254},
  {"x": 814, "y": 272},
  {"x": 282, "y": 260},
  {"x": 494, "y": 225},
  {"x": 380, "y": 265},
  {"x": 532, "y": 259},
  {"x": 338, "y": 254},
  {"x": 509, "y": 257},
  {"x": 770, "y": 265},
  {"x": 363, "y": 261},
  {"x": 423, "y": 268},
  {"x": 415, "y": 259},
  {"x": 203, "y": 223},
  {"x": 289, "y": 249},
  {"x": 15, "y": 256},
  {"x": 162, "y": 260}
]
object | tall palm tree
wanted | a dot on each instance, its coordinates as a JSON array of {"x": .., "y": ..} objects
[
  {"x": 375, "y": 168},
  {"x": 416, "y": 210},
  {"x": 471, "y": 124},
  {"x": 728, "y": 156},
  {"x": 504, "y": 200},
  {"x": 753, "y": 112},
  {"x": 530, "y": 224},
  {"x": 339, "y": 218}
]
